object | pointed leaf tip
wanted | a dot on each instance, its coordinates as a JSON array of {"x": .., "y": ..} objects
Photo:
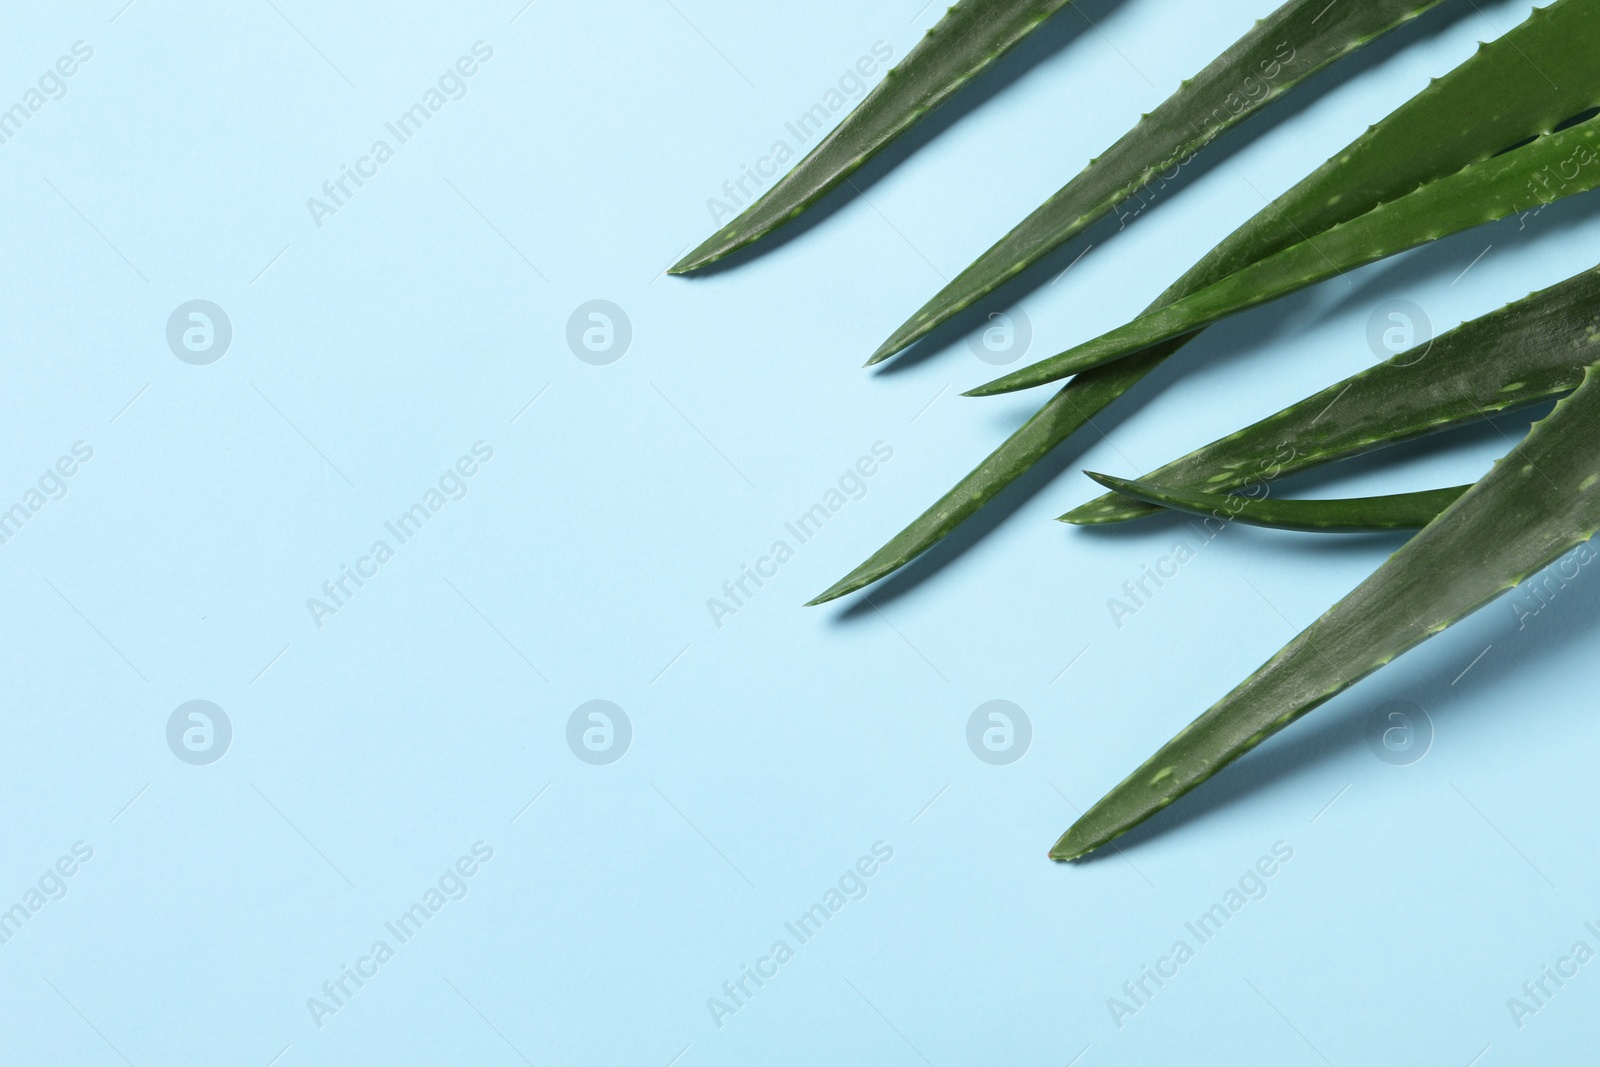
[
  {"x": 1110, "y": 481},
  {"x": 884, "y": 352},
  {"x": 1527, "y": 512},
  {"x": 706, "y": 253},
  {"x": 971, "y": 35},
  {"x": 1070, "y": 847},
  {"x": 844, "y": 586}
]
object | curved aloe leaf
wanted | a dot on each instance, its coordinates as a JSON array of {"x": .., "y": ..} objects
[
  {"x": 1537, "y": 502},
  {"x": 1527, "y": 351},
  {"x": 1480, "y": 193},
  {"x": 1497, "y": 97},
  {"x": 1281, "y": 51},
  {"x": 1362, "y": 514},
  {"x": 971, "y": 35}
]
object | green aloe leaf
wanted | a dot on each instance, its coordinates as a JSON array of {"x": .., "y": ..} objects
[
  {"x": 1073, "y": 406},
  {"x": 1526, "y": 82},
  {"x": 1535, "y": 504},
  {"x": 1530, "y": 350},
  {"x": 1279, "y": 52},
  {"x": 1496, "y": 98},
  {"x": 1362, "y": 514},
  {"x": 1480, "y": 193},
  {"x": 970, "y": 36}
]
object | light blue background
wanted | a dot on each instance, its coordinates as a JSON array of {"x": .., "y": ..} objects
[{"x": 771, "y": 752}]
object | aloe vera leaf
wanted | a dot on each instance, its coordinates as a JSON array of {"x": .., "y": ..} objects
[
  {"x": 1530, "y": 350},
  {"x": 1496, "y": 98},
  {"x": 970, "y": 36},
  {"x": 1525, "y": 82},
  {"x": 1362, "y": 514},
  {"x": 1071, "y": 407},
  {"x": 1480, "y": 193},
  {"x": 1253, "y": 72},
  {"x": 1537, "y": 502}
]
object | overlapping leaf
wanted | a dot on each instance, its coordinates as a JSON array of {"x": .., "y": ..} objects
[
  {"x": 1527, "y": 351},
  {"x": 1480, "y": 193},
  {"x": 1362, "y": 514},
  {"x": 1280, "y": 51},
  {"x": 1536, "y": 504},
  {"x": 1503, "y": 94}
]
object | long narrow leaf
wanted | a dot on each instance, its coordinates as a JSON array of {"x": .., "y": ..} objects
[
  {"x": 1480, "y": 193},
  {"x": 1279, "y": 52},
  {"x": 1537, "y": 503},
  {"x": 1496, "y": 98},
  {"x": 1523, "y": 83},
  {"x": 1525, "y": 352},
  {"x": 1362, "y": 514},
  {"x": 1073, "y": 406},
  {"x": 970, "y": 36}
]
